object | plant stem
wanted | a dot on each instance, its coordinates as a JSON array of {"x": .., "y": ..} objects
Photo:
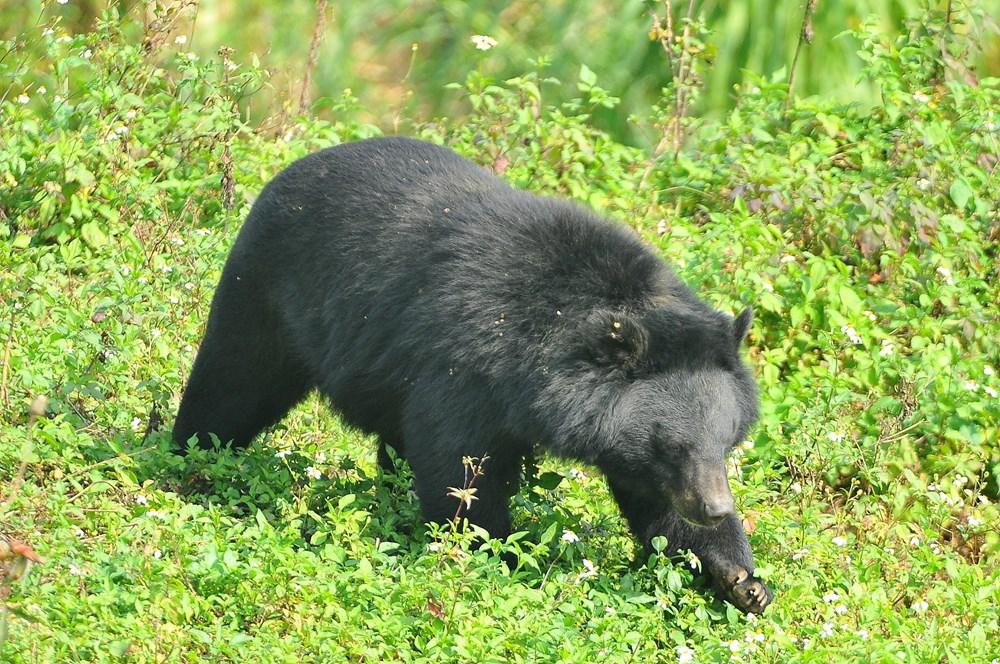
[
  {"x": 805, "y": 37},
  {"x": 313, "y": 53}
]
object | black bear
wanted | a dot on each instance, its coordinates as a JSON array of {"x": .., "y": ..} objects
[{"x": 452, "y": 316}]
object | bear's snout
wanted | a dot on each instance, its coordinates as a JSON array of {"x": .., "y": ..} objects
[{"x": 717, "y": 508}]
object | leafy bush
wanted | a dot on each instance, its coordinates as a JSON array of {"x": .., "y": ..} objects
[{"x": 865, "y": 237}]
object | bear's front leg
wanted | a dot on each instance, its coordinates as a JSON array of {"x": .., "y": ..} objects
[
  {"x": 723, "y": 550},
  {"x": 725, "y": 556}
]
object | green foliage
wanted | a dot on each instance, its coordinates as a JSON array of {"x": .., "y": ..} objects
[
  {"x": 397, "y": 54},
  {"x": 865, "y": 237}
]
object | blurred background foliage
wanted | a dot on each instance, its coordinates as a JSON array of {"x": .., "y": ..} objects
[{"x": 396, "y": 55}]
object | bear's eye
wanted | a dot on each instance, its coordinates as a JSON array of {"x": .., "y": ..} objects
[{"x": 659, "y": 443}]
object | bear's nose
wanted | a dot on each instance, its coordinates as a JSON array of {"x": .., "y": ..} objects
[{"x": 716, "y": 509}]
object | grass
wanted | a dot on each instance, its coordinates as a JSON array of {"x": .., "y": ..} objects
[{"x": 866, "y": 238}]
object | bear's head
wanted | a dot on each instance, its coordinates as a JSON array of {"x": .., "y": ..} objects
[{"x": 683, "y": 399}]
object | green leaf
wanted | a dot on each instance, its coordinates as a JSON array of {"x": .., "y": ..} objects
[
  {"x": 850, "y": 299},
  {"x": 549, "y": 533},
  {"x": 549, "y": 480},
  {"x": 93, "y": 234},
  {"x": 587, "y": 78},
  {"x": 960, "y": 192}
]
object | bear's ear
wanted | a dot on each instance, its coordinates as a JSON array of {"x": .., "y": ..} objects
[
  {"x": 613, "y": 338},
  {"x": 741, "y": 325}
]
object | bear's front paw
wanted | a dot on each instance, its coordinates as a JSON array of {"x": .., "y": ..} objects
[{"x": 745, "y": 591}]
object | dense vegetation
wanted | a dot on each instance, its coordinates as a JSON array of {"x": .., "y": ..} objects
[
  {"x": 396, "y": 54},
  {"x": 866, "y": 236}
]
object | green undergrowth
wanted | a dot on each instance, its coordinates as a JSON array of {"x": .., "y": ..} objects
[{"x": 865, "y": 238}]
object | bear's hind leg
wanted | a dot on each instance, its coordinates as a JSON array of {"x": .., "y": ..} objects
[{"x": 244, "y": 377}]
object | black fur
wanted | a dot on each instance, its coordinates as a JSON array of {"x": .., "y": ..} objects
[{"x": 452, "y": 315}]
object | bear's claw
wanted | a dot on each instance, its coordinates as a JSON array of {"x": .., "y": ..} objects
[{"x": 746, "y": 592}]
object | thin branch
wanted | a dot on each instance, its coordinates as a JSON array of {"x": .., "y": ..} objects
[
  {"x": 313, "y": 53},
  {"x": 805, "y": 37}
]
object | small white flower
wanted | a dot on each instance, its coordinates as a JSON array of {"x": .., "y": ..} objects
[
  {"x": 831, "y": 597},
  {"x": 694, "y": 562},
  {"x": 914, "y": 541},
  {"x": 800, "y": 554},
  {"x": 202, "y": 231},
  {"x": 130, "y": 115},
  {"x": 983, "y": 500},
  {"x": 24, "y": 99},
  {"x": 141, "y": 499},
  {"x": 661, "y": 604},
  {"x": 734, "y": 646},
  {"x": 920, "y": 606},
  {"x": 973, "y": 521},
  {"x": 483, "y": 42},
  {"x": 570, "y": 536},
  {"x": 946, "y": 273},
  {"x": 157, "y": 554},
  {"x": 87, "y": 54},
  {"x": 970, "y": 385},
  {"x": 57, "y": 99},
  {"x": 852, "y": 334},
  {"x": 990, "y": 391},
  {"x": 78, "y": 531},
  {"x": 590, "y": 571},
  {"x": 840, "y": 609},
  {"x": 610, "y": 610},
  {"x": 870, "y": 315},
  {"x": 74, "y": 570},
  {"x": 796, "y": 488},
  {"x": 863, "y": 634},
  {"x": 121, "y": 130},
  {"x": 62, "y": 2},
  {"x": 321, "y": 457},
  {"x": 839, "y": 541},
  {"x": 173, "y": 299},
  {"x": 142, "y": 280},
  {"x": 126, "y": 270},
  {"x": 766, "y": 285},
  {"x": 136, "y": 423},
  {"x": 189, "y": 286},
  {"x": 191, "y": 56},
  {"x": 577, "y": 474},
  {"x": 787, "y": 259},
  {"x": 313, "y": 473},
  {"x": 988, "y": 370},
  {"x": 920, "y": 97},
  {"x": 157, "y": 515},
  {"x": 180, "y": 39},
  {"x": 684, "y": 655},
  {"x": 886, "y": 349},
  {"x": 434, "y": 547},
  {"x": 48, "y": 32},
  {"x": 923, "y": 184},
  {"x": 282, "y": 454},
  {"x": 41, "y": 89},
  {"x": 826, "y": 630},
  {"x": 64, "y": 39}
]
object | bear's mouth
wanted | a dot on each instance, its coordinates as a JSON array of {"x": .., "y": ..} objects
[{"x": 706, "y": 510}]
